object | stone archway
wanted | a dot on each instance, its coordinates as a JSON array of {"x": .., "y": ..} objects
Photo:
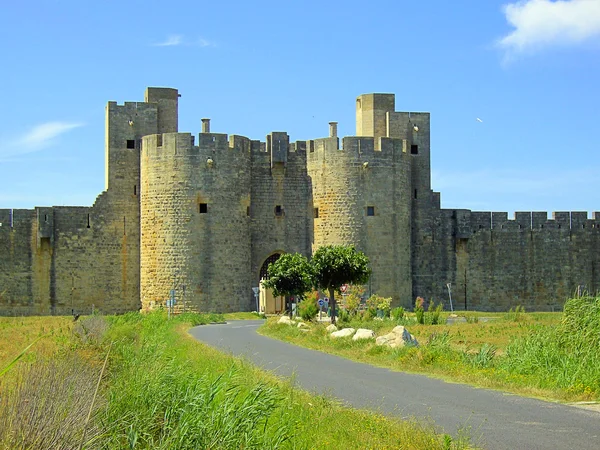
[
  {"x": 269, "y": 304},
  {"x": 263, "y": 269}
]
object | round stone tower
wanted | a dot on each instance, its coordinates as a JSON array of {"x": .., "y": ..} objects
[
  {"x": 361, "y": 196},
  {"x": 195, "y": 228}
]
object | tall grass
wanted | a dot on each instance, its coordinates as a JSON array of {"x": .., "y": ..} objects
[
  {"x": 566, "y": 357},
  {"x": 44, "y": 405},
  {"x": 163, "y": 390},
  {"x": 160, "y": 400}
]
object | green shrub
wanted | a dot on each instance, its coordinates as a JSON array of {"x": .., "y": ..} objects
[
  {"x": 434, "y": 314},
  {"x": 397, "y": 313},
  {"x": 420, "y": 314},
  {"x": 343, "y": 316},
  {"x": 377, "y": 303},
  {"x": 308, "y": 309},
  {"x": 484, "y": 357},
  {"x": 351, "y": 300}
]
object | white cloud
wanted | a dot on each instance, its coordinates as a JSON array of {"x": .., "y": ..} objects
[
  {"x": 173, "y": 40},
  {"x": 178, "y": 39},
  {"x": 543, "y": 23},
  {"x": 36, "y": 138},
  {"x": 43, "y": 135}
]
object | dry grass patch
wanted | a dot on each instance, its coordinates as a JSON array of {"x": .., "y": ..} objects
[{"x": 16, "y": 333}]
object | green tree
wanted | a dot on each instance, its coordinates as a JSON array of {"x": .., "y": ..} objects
[
  {"x": 335, "y": 265},
  {"x": 290, "y": 275}
]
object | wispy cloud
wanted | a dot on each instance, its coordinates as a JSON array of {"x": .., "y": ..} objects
[
  {"x": 178, "y": 39},
  {"x": 36, "y": 138},
  {"x": 540, "y": 24},
  {"x": 171, "y": 41}
]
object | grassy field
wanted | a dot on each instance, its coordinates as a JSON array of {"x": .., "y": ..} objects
[
  {"x": 546, "y": 355},
  {"x": 146, "y": 384}
]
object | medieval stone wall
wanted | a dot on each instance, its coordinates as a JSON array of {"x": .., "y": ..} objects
[
  {"x": 361, "y": 196},
  {"x": 281, "y": 194},
  {"x": 494, "y": 263},
  {"x": 195, "y": 224},
  {"x": 202, "y": 219}
]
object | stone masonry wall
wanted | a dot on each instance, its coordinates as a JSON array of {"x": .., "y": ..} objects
[
  {"x": 495, "y": 264},
  {"x": 363, "y": 198},
  {"x": 202, "y": 219},
  {"x": 279, "y": 178},
  {"x": 194, "y": 224}
]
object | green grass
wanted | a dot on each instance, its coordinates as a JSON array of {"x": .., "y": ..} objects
[
  {"x": 243, "y": 316},
  {"x": 164, "y": 390},
  {"x": 548, "y": 355}
]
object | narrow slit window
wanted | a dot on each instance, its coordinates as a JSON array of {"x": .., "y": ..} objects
[
  {"x": 370, "y": 210},
  {"x": 278, "y": 211},
  {"x": 46, "y": 218},
  {"x": 124, "y": 226},
  {"x": 203, "y": 208},
  {"x": 130, "y": 143},
  {"x": 88, "y": 221},
  {"x": 248, "y": 211},
  {"x": 316, "y": 215},
  {"x": 414, "y": 149},
  {"x": 415, "y": 193},
  {"x": 134, "y": 189}
]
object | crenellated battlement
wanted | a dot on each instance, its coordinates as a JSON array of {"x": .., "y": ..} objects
[
  {"x": 359, "y": 150},
  {"x": 202, "y": 215},
  {"x": 276, "y": 148},
  {"x": 474, "y": 221}
]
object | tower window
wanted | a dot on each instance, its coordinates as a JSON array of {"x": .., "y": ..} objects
[
  {"x": 130, "y": 143},
  {"x": 278, "y": 211},
  {"x": 203, "y": 208},
  {"x": 370, "y": 210},
  {"x": 415, "y": 193},
  {"x": 316, "y": 213},
  {"x": 248, "y": 211},
  {"x": 414, "y": 149}
]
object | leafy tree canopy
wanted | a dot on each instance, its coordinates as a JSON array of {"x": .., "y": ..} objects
[
  {"x": 335, "y": 265},
  {"x": 291, "y": 274}
]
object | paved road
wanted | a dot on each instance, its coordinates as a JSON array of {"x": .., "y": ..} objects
[{"x": 496, "y": 420}]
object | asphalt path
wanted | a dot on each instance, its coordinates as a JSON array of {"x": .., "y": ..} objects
[{"x": 494, "y": 420}]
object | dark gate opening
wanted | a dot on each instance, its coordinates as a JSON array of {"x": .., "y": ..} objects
[{"x": 265, "y": 267}]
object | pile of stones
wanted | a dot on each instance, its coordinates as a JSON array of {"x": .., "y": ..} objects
[{"x": 398, "y": 337}]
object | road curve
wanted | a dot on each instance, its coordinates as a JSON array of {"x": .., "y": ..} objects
[{"x": 495, "y": 420}]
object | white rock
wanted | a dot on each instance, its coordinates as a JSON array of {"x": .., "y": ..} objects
[
  {"x": 346, "y": 332},
  {"x": 285, "y": 319},
  {"x": 398, "y": 337},
  {"x": 363, "y": 333},
  {"x": 331, "y": 328},
  {"x": 302, "y": 325}
]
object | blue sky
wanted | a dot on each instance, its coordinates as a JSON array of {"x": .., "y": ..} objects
[{"x": 528, "y": 70}]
